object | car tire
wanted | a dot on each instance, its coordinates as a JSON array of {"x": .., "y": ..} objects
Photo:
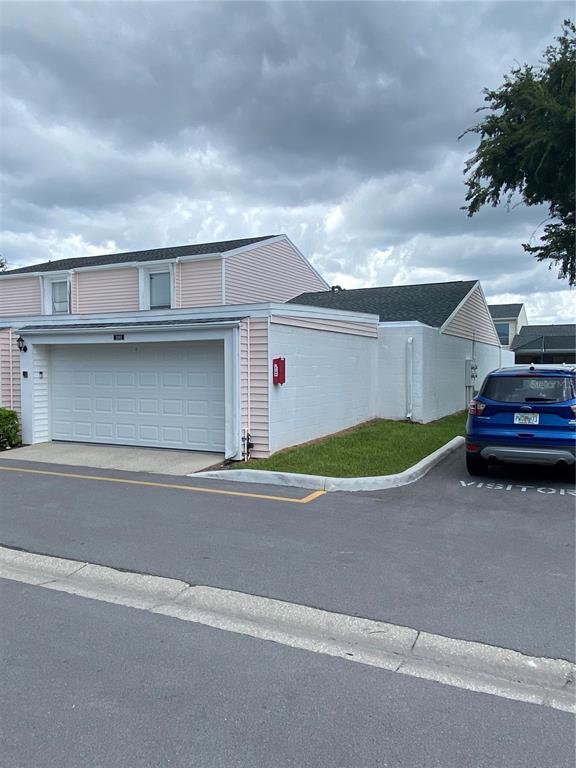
[{"x": 476, "y": 465}]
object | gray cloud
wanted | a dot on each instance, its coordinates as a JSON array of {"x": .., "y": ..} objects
[{"x": 133, "y": 125}]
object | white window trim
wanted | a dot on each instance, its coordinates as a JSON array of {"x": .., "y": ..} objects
[
  {"x": 47, "y": 280},
  {"x": 144, "y": 282}
]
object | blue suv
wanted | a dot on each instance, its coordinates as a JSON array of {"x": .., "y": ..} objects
[{"x": 525, "y": 414}]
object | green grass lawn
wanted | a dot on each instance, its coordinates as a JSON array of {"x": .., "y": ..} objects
[{"x": 377, "y": 448}]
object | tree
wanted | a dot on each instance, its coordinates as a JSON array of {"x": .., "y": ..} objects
[
  {"x": 2, "y": 263},
  {"x": 527, "y": 148}
]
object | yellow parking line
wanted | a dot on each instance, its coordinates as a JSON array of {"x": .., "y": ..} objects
[{"x": 173, "y": 486}]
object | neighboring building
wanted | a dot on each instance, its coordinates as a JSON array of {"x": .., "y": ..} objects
[
  {"x": 545, "y": 344},
  {"x": 508, "y": 320},
  {"x": 174, "y": 348},
  {"x": 437, "y": 342}
]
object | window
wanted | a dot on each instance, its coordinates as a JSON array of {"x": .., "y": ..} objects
[
  {"x": 529, "y": 389},
  {"x": 60, "y": 297},
  {"x": 503, "y": 331},
  {"x": 160, "y": 290}
]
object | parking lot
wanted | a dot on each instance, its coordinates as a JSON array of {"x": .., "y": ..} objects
[{"x": 488, "y": 559}]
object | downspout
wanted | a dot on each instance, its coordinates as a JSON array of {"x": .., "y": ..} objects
[
  {"x": 178, "y": 279},
  {"x": 409, "y": 376},
  {"x": 73, "y": 292},
  {"x": 247, "y": 431},
  {"x": 11, "y": 366},
  {"x": 238, "y": 396}
]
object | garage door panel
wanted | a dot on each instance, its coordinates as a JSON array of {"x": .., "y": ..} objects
[{"x": 114, "y": 394}]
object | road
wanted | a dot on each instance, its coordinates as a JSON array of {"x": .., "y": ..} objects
[
  {"x": 489, "y": 560},
  {"x": 86, "y": 683}
]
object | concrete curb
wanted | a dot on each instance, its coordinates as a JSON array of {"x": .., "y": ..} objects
[
  {"x": 318, "y": 482},
  {"x": 464, "y": 664}
]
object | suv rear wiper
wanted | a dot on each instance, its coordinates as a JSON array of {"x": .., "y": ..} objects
[{"x": 540, "y": 400}]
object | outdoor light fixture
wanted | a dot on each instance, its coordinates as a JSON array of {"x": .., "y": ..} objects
[{"x": 21, "y": 346}]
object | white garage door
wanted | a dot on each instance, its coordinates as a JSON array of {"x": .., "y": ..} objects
[{"x": 165, "y": 395}]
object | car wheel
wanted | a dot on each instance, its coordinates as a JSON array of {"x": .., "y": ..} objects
[{"x": 476, "y": 465}]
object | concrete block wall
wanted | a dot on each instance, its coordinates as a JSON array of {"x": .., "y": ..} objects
[
  {"x": 444, "y": 379},
  {"x": 394, "y": 351},
  {"x": 330, "y": 383}
]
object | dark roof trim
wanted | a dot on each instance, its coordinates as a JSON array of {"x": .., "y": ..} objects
[
  {"x": 124, "y": 326},
  {"x": 130, "y": 257}
]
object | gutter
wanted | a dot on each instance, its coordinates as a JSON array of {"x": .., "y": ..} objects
[{"x": 63, "y": 330}]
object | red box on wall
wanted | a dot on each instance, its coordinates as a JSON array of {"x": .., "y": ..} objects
[{"x": 279, "y": 370}]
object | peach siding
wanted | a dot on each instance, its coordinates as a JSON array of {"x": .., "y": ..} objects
[
  {"x": 199, "y": 283},
  {"x": 273, "y": 272},
  {"x": 335, "y": 326},
  {"x": 20, "y": 296},
  {"x": 9, "y": 371},
  {"x": 473, "y": 320},
  {"x": 107, "y": 290},
  {"x": 254, "y": 402}
]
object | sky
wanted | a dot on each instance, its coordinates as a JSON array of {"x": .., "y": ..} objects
[{"x": 126, "y": 126}]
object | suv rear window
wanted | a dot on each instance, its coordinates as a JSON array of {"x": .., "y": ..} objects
[{"x": 529, "y": 389}]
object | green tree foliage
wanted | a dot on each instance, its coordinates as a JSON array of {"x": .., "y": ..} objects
[{"x": 527, "y": 148}]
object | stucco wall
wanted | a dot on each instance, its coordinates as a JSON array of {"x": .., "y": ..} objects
[{"x": 329, "y": 383}]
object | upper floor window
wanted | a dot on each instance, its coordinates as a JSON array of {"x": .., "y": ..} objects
[
  {"x": 60, "y": 297},
  {"x": 156, "y": 286},
  {"x": 503, "y": 331},
  {"x": 56, "y": 294},
  {"x": 160, "y": 290}
]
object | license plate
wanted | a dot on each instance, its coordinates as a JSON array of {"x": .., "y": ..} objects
[{"x": 526, "y": 418}]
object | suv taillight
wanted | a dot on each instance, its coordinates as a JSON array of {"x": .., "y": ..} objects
[
  {"x": 476, "y": 408},
  {"x": 573, "y": 409}
]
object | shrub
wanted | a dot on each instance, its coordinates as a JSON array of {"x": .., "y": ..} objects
[{"x": 9, "y": 429}]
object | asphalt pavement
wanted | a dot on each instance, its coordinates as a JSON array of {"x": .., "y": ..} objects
[
  {"x": 86, "y": 683},
  {"x": 486, "y": 559}
]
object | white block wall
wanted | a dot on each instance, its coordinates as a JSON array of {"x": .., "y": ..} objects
[
  {"x": 438, "y": 371},
  {"x": 444, "y": 359},
  {"x": 391, "y": 393},
  {"x": 330, "y": 383}
]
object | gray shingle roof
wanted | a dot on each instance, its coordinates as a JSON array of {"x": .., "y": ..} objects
[
  {"x": 156, "y": 254},
  {"x": 429, "y": 303},
  {"x": 531, "y": 338},
  {"x": 505, "y": 311}
]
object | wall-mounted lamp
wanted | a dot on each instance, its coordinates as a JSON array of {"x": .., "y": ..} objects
[{"x": 21, "y": 345}]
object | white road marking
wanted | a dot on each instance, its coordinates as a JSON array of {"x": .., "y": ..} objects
[
  {"x": 518, "y": 487},
  {"x": 463, "y": 664}
]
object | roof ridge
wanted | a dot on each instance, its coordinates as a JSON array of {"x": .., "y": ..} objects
[
  {"x": 121, "y": 256},
  {"x": 403, "y": 285}
]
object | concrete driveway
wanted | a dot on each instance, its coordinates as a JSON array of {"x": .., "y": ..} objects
[{"x": 126, "y": 458}]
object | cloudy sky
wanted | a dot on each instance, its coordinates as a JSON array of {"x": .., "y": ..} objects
[{"x": 127, "y": 126}]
